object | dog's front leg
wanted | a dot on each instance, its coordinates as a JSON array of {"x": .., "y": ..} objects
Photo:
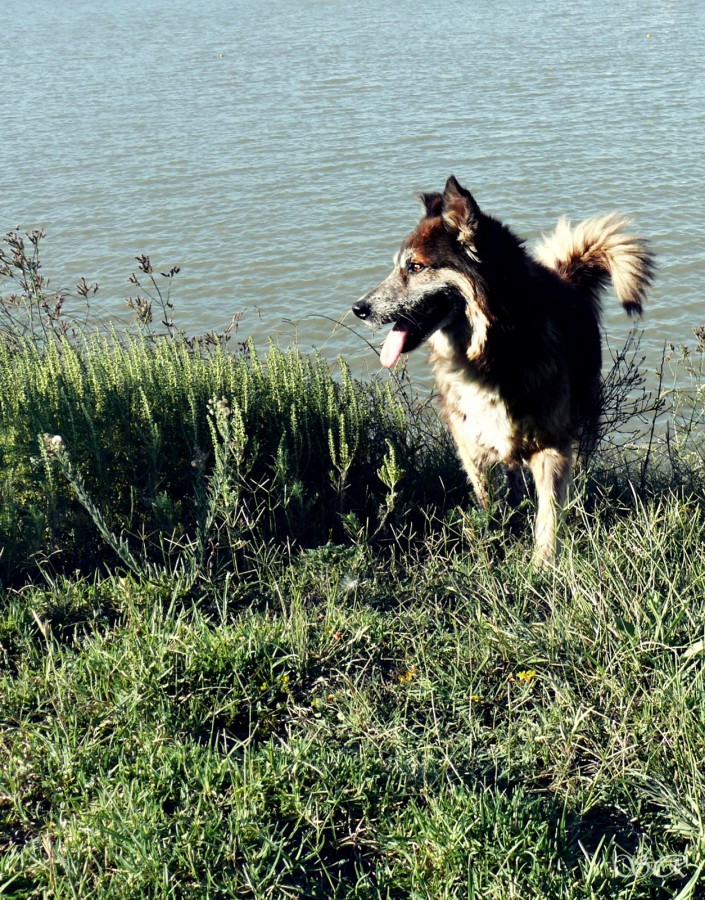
[
  {"x": 480, "y": 481},
  {"x": 475, "y": 465},
  {"x": 478, "y": 476},
  {"x": 551, "y": 469}
]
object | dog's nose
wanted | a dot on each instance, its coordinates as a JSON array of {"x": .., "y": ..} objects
[{"x": 362, "y": 309}]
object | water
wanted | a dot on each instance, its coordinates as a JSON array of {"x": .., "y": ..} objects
[{"x": 271, "y": 149}]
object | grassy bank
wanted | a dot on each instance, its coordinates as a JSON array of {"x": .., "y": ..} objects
[{"x": 256, "y": 642}]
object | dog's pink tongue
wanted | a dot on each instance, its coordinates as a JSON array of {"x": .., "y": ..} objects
[{"x": 393, "y": 346}]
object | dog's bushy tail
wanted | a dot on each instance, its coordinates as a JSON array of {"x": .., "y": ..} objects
[{"x": 597, "y": 250}]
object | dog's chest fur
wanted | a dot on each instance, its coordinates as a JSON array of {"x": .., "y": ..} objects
[{"x": 477, "y": 414}]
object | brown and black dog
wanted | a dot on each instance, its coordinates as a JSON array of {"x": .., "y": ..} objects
[{"x": 514, "y": 338}]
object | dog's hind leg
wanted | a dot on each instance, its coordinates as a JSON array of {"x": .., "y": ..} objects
[{"x": 552, "y": 470}]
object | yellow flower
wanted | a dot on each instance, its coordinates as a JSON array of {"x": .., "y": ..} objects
[
  {"x": 526, "y": 675},
  {"x": 409, "y": 675}
]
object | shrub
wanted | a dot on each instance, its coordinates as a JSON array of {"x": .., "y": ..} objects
[{"x": 159, "y": 433}]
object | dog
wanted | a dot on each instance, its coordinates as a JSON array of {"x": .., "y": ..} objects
[{"x": 514, "y": 337}]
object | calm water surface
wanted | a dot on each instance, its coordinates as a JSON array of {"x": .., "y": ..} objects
[{"x": 271, "y": 149}]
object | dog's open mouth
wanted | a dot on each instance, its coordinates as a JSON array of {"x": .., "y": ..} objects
[
  {"x": 403, "y": 338},
  {"x": 410, "y": 331}
]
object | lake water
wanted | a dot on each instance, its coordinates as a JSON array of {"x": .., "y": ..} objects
[{"x": 271, "y": 149}]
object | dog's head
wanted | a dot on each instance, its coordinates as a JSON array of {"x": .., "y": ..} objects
[{"x": 437, "y": 277}]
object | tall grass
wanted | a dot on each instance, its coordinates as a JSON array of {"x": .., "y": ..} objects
[
  {"x": 256, "y": 642},
  {"x": 153, "y": 429}
]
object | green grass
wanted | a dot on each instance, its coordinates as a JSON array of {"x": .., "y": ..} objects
[
  {"x": 256, "y": 642},
  {"x": 417, "y": 724}
]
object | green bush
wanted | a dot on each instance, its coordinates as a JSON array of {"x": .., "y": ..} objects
[{"x": 154, "y": 430}]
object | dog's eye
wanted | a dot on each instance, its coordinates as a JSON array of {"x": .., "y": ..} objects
[{"x": 415, "y": 267}]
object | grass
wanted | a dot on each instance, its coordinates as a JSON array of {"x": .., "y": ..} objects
[
  {"x": 418, "y": 724},
  {"x": 255, "y": 642}
]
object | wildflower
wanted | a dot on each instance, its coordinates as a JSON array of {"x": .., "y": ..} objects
[
  {"x": 526, "y": 675},
  {"x": 142, "y": 307},
  {"x": 53, "y": 443},
  {"x": 144, "y": 263},
  {"x": 219, "y": 407},
  {"x": 349, "y": 582},
  {"x": 409, "y": 675}
]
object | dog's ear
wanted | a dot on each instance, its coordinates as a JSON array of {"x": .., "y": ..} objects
[
  {"x": 433, "y": 203},
  {"x": 460, "y": 212}
]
